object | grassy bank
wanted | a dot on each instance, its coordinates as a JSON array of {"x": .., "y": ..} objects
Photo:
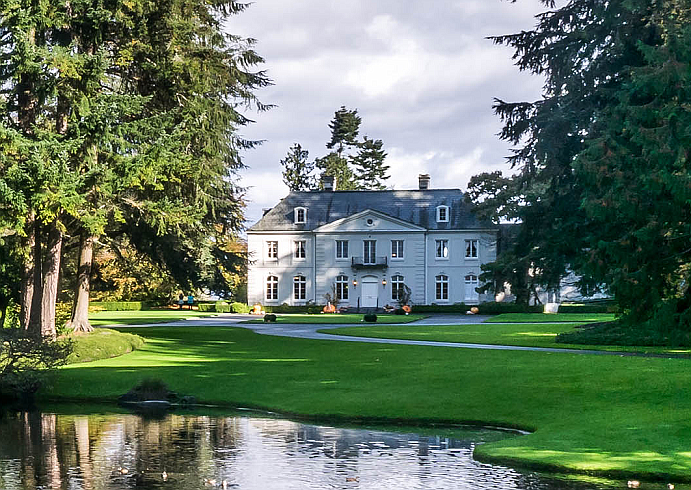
[
  {"x": 339, "y": 318},
  {"x": 521, "y": 334},
  {"x": 102, "y": 344},
  {"x": 101, "y": 318},
  {"x": 551, "y": 318},
  {"x": 626, "y": 417}
]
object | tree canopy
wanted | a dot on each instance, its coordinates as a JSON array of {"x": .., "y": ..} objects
[{"x": 602, "y": 159}]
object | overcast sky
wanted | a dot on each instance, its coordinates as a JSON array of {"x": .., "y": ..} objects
[{"x": 421, "y": 74}]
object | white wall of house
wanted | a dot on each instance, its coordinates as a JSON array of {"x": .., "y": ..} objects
[{"x": 419, "y": 265}]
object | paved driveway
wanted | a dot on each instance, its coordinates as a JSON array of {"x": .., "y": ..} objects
[{"x": 309, "y": 331}]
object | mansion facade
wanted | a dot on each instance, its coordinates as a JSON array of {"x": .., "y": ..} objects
[{"x": 364, "y": 247}]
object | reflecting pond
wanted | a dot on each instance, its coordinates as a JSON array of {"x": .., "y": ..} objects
[{"x": 190, "y": 451}]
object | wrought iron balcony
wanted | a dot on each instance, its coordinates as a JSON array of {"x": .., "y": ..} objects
[{"x": 379, "y": 263}]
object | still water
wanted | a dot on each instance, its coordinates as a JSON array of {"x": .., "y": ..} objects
[{"x": 44, "y": 450}]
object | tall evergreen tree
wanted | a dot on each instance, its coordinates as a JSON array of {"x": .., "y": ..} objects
[
  {"x": 370, "y": 170},
  {"x": 603, "y": 159},
  {"x": 336, "y": 166},
  {"x": 345, "y": 127},
  {"x": 297, "y": 170}
]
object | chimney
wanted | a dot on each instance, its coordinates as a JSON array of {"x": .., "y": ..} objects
[
  {"x": 265, "y": 210},
  {"x": 329, "y": 183},
  {"x": 424, "y": 181}
]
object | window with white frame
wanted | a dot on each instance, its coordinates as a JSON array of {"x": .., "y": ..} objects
[
  {"x": 299, "y": 249},
  {"x": 471, "y": 284},
  {"x": 442, "y": 287},
  {"x": 299, "y": 287},
  {"x": 397, "y": 287},
  {"x": 471, "y": 248},
  {"x": 396, "y": 249},
  {"x": 442, "y": 249},
  {"x": 272, "y": 288},
  {"x": 342, "y": 249},
  {"x": 442, "y": 214},
  {"x": 272, "y": 250},
  {"x": 369, "y": 251},
  {"x": 342, "y": 287},
  {"x": 300, "y": 215}
]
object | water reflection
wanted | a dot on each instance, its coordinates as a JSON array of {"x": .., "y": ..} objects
[{"x": 122, "y": 451}]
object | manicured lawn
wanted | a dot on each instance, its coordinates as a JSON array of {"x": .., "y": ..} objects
[
  {"x": 543, "y": 317},
  {"x": 628, "y": 417},
  {"x": 142, "y": 317},
  {"x": 340, "y": 318},
  {"x": 522, "y": 334}
]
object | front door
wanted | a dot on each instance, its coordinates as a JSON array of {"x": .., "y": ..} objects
[
  {"x": 369, "y": 294},
  {"x": 471, "y": 282}
]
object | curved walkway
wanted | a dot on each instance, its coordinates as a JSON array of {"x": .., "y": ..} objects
[{"x": 309, "y": 331}]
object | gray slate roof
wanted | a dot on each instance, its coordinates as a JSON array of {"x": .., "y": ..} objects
[{"x": 414, "y": 206}]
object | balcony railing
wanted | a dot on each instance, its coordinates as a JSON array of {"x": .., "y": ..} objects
[{"x": 379, "y": 263}]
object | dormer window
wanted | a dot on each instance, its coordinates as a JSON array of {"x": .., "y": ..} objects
[
  {"x": 300, "y": 215},
  {"x": 442, "y": 214}
]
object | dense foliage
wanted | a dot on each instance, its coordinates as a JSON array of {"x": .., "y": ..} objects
[{"x": 602, "y": 183}]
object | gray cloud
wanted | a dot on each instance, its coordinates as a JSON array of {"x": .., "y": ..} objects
[{"x": 421, "y": 74}]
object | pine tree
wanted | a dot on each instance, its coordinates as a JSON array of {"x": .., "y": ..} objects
[
  {"x": 297, "y": 171},
  {"x": 370, "y": 171},
  {"x": 345, "y": 127}
]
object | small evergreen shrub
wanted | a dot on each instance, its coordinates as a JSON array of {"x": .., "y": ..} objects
[
  {"x": 222, "y": 307},
  {"x": 239, "y": 308},
  {"x": 269, "y": 318},
  {"x": 399, "y": 311},
  {"x": 370, "y": 317}
]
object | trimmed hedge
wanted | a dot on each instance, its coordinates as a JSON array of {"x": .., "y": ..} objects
[
  {"x": 123, "y": 305},
  {"x": 269, "y": 318},
  {"x": 608, "y": 307},
  {"x": 310, "y": 309},
  {"x": 239, "y": 308},
  {"x": 370, "y": 317},
  {"x": 490, "y": 308}
]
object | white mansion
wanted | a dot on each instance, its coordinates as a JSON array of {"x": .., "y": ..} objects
[{"x": 363, "y": 246}]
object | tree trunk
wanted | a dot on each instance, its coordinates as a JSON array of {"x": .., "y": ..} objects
[
  {"x": 35, "y": 311},
  {"x": 80, "y": 310},
  {"x": 27, "y": 286},
  {"x": 51, "y": 271}
]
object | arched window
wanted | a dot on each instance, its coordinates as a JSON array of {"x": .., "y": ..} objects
[
  {"x": 442, "y": 287},
  {"x": 342, "y": 287},
  {"x": 272, "y": 288},
  {"x": 397, "y": 287},
  {"x": 300, "y": 215},
  {"x": 299, "y": 287},
  {"x": 442, "y": 214}
]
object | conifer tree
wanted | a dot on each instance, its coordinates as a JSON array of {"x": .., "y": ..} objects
[
  {"x": 345, "y": 127},
  {"x": 370, "y": 171},
  {"x": 297, "y": 171}
]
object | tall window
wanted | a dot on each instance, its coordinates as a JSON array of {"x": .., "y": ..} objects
[
  {"x": 471, "y": 283},
  {"x": 341, "y": 249},
  {"x": 397, "y": 287},
  {"x": 442, "y": 249},
  {"x": 272, "y": 250},
  {"x": 396, "y": 249},
  {"x": 300, "y": 215},
  {"x": 443, "y": 214},
  {"x": 471, "y": 249},
  {"x": 272, "y": 288},
  {"x": 299, "y": 287},
  {"x": 299, "y": 246},
  {"x": 342, "y": 287},
  {"x": 369, "y": 252},
  {"x": 442, "y": 287}
]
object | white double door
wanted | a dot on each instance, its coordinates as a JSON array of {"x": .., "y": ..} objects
[{"x": 370, "y": 292}]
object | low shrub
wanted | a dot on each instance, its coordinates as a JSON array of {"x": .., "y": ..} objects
[
  {"x": 494, "y": 308},
  {"x": 370, "y": 317},
  {"x": 399, "y": 311},
  {"x": 289, "y": 309},
  {"x": 239, "y": 308},
  {"x": 102, "y": 343},
  {"x": 123, "y": 305},
  {"x": 269, "y": 318},
  {"x": 207, "y": 307},
  {"x": 434, "y": 308},
  {"x": 604, "y": 307}
]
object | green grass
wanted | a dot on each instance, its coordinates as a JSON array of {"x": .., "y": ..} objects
[
  {"x": 543, "y": 317},
  {"x": 340, "y": 318},
  {"x": 620, "y": 416},
  {"x": 142, "y": 317},
  {"x": 101, "y": 344},
  {"x": 520, "y": 334}
]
